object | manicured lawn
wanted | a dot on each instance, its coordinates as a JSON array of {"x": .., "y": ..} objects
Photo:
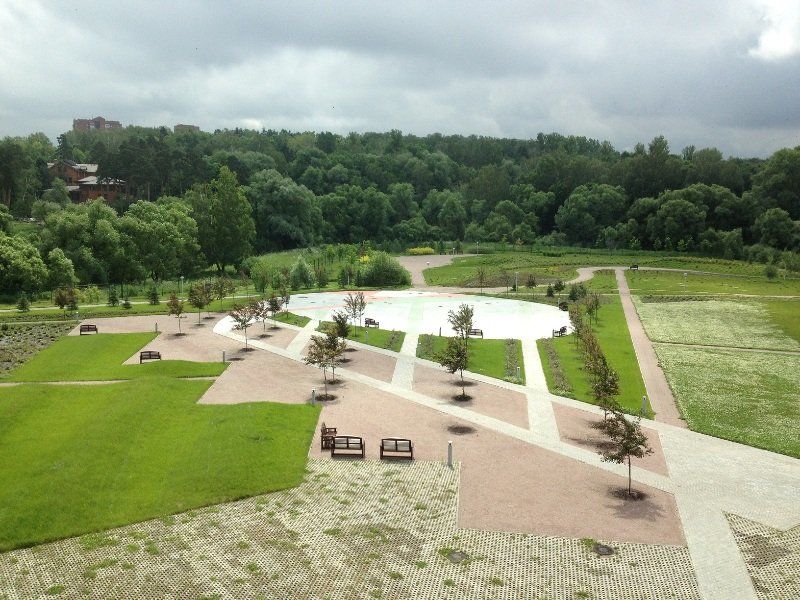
[
  {"x": 748, "y": 397},
  {"x": 671, "y": 283},
  {"x": 786, "y": 315},
  {"x": 615, "y": 340},
  {"x": 562, "y": 264},
  {"x": 373, "y": 336},
  {"x": 292, "y": 319},
  {"x": 744, "y": 324},
  {"x": 487, "y": 357},
  {"x": 100, "y": 357},
  {"x": 82, "y": 458}
]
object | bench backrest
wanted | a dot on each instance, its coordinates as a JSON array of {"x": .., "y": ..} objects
[
  {"x": 149, "y": 354},
  {"x": 563, "y": 329},
  {"x": 370, "y": 321},
  {"x": 396, "y": 444},
  {"x": 348, "y": 442},
  {"x": 88, "y": 327},
  {"x": 475, "y": 331},
  {"x": 327, "y": 430}
]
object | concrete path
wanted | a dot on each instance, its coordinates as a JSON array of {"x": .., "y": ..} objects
[
  {"x": 707, "y": 476},
  {"x": 298, "y": 344},
  {"x": 655, "y": 382}
]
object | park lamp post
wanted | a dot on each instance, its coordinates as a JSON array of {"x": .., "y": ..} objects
[
  {"x": 180, "y": 290},
  {"x": 684, "y": 282},
  {"x": 516, "y": 281}
]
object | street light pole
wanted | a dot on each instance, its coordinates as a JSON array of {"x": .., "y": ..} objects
[{"x": 180, "y": 291}]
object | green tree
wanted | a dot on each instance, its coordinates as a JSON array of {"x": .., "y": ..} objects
[
  {"x": 626, "y": 441},
  {"x": 23, "y": 303},
  {"x": 152, "y": 296},
  {"x": 776, "y": 228},
  {"x": 454, "y": 358},
  {"x": 301, "y": 275},
  {"x": 224, "y": 220},
  {"x": 200, "y": 296},
  {"x": 21, "y": 266},
  {"x": 588, "y": 210},
  {"x": 62, "y": 272},
  {"x": 113, "y": 298},
  {"x": 341, "y": 323},
  {"x": 175, "y": 306},
  {"x": 286, "y": 214}
]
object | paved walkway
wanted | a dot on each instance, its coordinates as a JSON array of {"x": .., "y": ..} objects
[
  {"x": 709, "y": 477},
  {"x": 655, "y": 382}
]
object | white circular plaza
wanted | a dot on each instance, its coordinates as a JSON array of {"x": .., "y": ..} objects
[{"x": 426, "y": 312}]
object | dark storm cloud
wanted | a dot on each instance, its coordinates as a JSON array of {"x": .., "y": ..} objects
[{"x": 703, "y": 73}]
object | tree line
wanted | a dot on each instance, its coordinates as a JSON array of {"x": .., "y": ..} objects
[{"x": 195, "y": 199}]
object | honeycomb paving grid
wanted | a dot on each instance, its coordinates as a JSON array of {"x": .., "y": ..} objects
[
  {"x": 772, "y": 557},
  {"x": 353, "y": 529}
]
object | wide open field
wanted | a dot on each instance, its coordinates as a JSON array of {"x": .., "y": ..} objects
[
  {"x": 672, "y": 283},
  {"x": 747, "y": 397},
  {"x": 746, "y": 388}
]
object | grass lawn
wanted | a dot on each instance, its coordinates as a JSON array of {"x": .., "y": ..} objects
[
  {"x": 292, "y": 319},
  {"x": 744, "y": 324},
  {"x": 487, "y": 357},
  {"x": 83, "y": 458},
  {"x": 786, "y": 315},
  {"x": 615, "y": 340},
  {"x": 671, "y": 283},
  {"x": 100, "y": 357},
  {"x": 747, "y": 397},
  {"x": 552, "y": 264},
  {"x": 373, "y": 336}
]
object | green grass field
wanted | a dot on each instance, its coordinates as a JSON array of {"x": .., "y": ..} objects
[
  {"x": 670, "y": 283},
  {"x": 744, "y": 324},
  {"x": 562, "y": 265},
  {"x": 373, "y": 336},
  {"x": 747, "y": 397},
  {"x": 786, "y": 315},
  {"x": 292, "y": 319},
  {"x": 100, "y": 357},
  {"x": 615, "y": 340},
  {"x": 83, "y": 458},
  {"x": 486, "y": 357}
]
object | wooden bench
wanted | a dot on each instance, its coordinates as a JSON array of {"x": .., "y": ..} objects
[
  {"x": 326, "y": 435},
  {"x": 87, "y": 329},
  {"x": 370, "y": 322},
  {"x": 560, "y": 332},
  {"x": 475, "y": 332},
  {"x": 347, "y": 445},
  {"x": 397, "y": 448},
  {"x": 634, "y": 267},
  {"x": 149, "y": 355}
]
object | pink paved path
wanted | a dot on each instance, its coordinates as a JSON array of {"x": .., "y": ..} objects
[{"x": 658, "y": 391}]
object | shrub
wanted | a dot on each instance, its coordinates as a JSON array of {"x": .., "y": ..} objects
[
  {"x": 421, "y": 251},
  {"x": 383, "y": 270},
  {"x": 301, "y": 275}
]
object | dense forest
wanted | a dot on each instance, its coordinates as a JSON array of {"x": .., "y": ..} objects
[{"x": 196, "y": 199}]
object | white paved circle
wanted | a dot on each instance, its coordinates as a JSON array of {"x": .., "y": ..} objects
[{"x": 426, "y": 312}]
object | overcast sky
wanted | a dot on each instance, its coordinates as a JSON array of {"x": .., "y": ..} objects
[{"x": 702, "y": 72}]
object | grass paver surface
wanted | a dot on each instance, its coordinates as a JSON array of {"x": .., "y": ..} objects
[
  {"x": 667, "y": 283},
  {"x": 350, "y": 530},
  {"x": 100, "y": 357},
  {"x": 486, "y": 356},
  {"x": 80, "y": 458},
  {"x": 615, "y": 340},
  {"x": 718, "y": 323},
  {"x": 746, "y": 397}
]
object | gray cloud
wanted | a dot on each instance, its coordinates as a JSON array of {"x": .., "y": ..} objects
[{"x": 703, "y": 73}]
